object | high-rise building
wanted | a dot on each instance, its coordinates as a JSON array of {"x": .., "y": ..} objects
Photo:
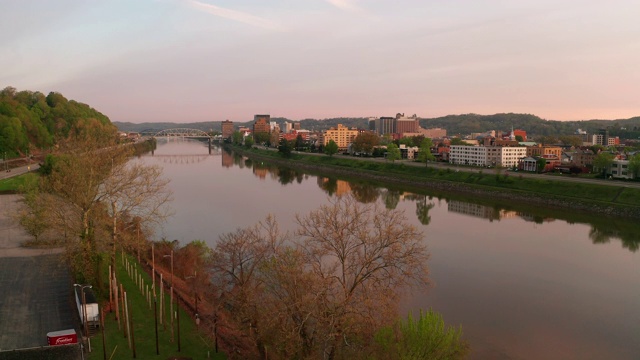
[
  {"x": 342, "y": 136},
  {"x": 372, "y": 124},
  {"x": 261, "y": 124},
  {"x": 227, "y": 129},
  {"x": 601, "y": 138},
  {"x": 384, "y": 125},
  {"x": 404, "y": 124}
]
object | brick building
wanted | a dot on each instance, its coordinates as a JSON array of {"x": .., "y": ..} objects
[{"x": 227, "y": 129}]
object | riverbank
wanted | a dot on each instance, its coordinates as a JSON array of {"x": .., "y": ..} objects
[{"x": 613, "y": 201}]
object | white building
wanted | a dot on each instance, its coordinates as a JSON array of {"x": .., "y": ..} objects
[
  {"x": 468, "y": 155},
  {"x": 620, "y": 170},
  {"x": 503, "y": 156}
]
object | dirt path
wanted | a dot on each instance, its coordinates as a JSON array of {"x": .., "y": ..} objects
[{"x": 12, "y": 235}]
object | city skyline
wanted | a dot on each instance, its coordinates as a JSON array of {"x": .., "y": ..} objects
[{"x": 196, "y": 60}]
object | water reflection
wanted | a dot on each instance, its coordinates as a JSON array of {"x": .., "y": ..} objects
[
  {"x": 524, "y": 282},
  {"x": 601, "y": 232}
]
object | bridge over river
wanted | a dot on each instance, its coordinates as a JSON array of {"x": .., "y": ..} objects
[{"x": 183, "y": 133}]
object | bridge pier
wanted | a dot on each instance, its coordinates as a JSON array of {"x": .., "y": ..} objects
[{"x": 209, "y": 146}]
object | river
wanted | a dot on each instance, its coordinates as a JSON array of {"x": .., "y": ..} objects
[{"x": 524, "y": 283}]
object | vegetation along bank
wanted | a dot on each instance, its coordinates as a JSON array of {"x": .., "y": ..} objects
[{"x": 616, "y": 201}]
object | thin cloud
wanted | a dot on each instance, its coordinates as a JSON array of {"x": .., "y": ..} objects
[
  {"x": 235, "y": 15},
  {"x": 347, "y": 5}
]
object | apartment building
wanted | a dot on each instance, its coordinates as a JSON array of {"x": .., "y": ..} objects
[
  {"x": 504, "y": 156},
  {"x": 342, "y": 135}
]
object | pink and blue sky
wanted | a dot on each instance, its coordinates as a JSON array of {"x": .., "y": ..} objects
[{"x": 210, "y": 60}]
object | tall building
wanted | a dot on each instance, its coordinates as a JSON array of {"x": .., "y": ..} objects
[
  {"x": 372, "y": 124},
  {"x": 227, "y": 129},
  {"x": 404, "y": 124},
  {"x": 261, "y": 124},
  {"x": 384, "y": 125},
  {"x": 342, "y": 135},
  {"x": 601, "y": 138},
  {"x": 296, "y": 125}
]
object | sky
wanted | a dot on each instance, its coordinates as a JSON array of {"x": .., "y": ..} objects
[{"x": 211, "y": 60}]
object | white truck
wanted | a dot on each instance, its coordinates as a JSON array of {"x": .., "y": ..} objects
[{"x": 93, "y": 313}]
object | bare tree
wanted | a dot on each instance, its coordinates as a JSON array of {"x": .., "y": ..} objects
[
  {"x": 235, "y": 264},
  {"x": 325, "y": 293},
  {"x": 364, "y": 256},
  {"x": 138, "y": 192},
  {"x": 90, "y": 183}
]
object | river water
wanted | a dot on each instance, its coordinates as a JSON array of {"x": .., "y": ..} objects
[{"x": 524, "y": 283}]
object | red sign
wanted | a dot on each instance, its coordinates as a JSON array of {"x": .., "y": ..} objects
[{"x": 63, "y": 337}]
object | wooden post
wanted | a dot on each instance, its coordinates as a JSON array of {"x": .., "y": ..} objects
[
  {"x": 125, "y": 303},
  {"x": 124, "y": 319},
  {"x": 116, "y": 295},
  {"x": 110, "y": 290},
  {"x": 178, "y": 323},
  {"x": 133, "y": 339},
  {"x": 153, "y": 269},
  {"x": 161, "y": 300},
  {"x": 104, "y": 345},
  {"x": 155, "y": 318}
]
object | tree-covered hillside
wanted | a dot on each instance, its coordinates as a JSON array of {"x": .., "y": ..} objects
[
  {"x": 30, "y": 121},
  {"x": 535, "y": 126},
  {"x": 454, "y": 124}
]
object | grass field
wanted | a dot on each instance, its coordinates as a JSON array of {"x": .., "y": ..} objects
[
  {"x": 15, "y": 184},
  {"x": 193, "y": 343}
]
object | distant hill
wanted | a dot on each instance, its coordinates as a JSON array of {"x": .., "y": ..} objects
[{"x": 454, "y": 124}]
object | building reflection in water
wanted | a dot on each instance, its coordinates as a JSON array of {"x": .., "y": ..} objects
[{"x": 479, "y": 211}]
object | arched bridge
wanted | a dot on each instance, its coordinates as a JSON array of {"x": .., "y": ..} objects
[{"x": 182, "y": 132}]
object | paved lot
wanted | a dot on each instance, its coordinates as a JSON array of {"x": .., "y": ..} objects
[{"x": 35, "y": 287}]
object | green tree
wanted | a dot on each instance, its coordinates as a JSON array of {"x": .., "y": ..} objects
[
  {"x": 540, "y": 164},
  {"x": 331, "y": 148},
  {"x": 424, "y": 154},
  {"x": 603, "y": 161},
  {"x": 457, "y": 141},
  {"x": 426, "y": 337},
  {"x": 300, "y": 144},
  {"x": 519, "y": 138},
  {"x": 634, "y": 166},
  {"x": 248, "y": 142},
  {"x": 547, "y": 140},
  {"x": 236, "y": 138},
  {"x": 285, "y": 147},
  {"x": 393, "y": 152},
  {"x": 261, "y": 138},
  {"x": 365, "y": 142},
  {"x": 407, "y": 141},
  {"x": 570, "y": 140}
]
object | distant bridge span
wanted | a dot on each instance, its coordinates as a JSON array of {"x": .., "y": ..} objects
[{"x": 182, "y": 132}]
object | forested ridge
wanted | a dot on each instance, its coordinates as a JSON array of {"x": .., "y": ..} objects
[
  {"x": 454, "y": 124},
  {"x": 31, "y": 121}
]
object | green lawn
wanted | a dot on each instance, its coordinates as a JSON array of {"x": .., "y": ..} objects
[
  {"x": 15, "y": 184},
  {"x": 193, "y": 343}
]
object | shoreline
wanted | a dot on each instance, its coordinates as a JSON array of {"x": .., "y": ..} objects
[{"x": 587, "y": 206}]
